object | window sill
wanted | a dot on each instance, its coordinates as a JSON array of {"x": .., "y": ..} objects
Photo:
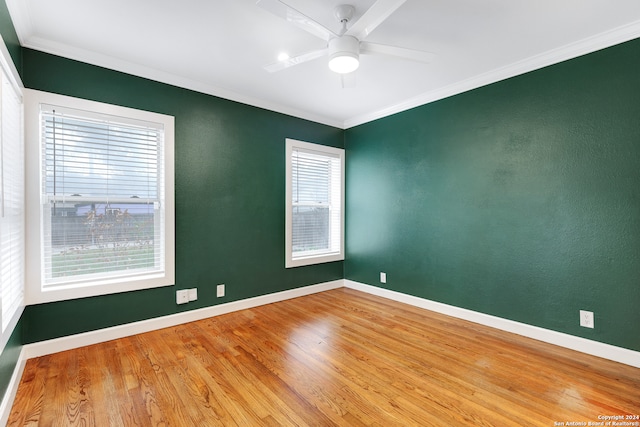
[{"x": 312, "y": 260}]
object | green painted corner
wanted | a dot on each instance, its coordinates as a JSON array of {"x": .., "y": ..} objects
[{"x": 520, "y": 199}]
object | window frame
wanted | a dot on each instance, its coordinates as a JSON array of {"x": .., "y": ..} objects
[
  {"x": 36, "y": 292},
  {"x": 9, "y": 320},
  {"x": 290, "y": 260}
]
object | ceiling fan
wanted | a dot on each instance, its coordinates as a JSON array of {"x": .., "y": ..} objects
[{"x": 343, "y": 48}]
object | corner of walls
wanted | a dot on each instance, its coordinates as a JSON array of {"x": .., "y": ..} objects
[
  {"x": 518, "y": 199},
  {"x": 229, "y": 186}
]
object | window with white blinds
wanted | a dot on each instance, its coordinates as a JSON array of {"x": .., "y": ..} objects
[
  {"x": 102, "y": 190},
  {"x": 315, "y": 199},
  {"x": 12, "y": 225},
  {"x": 106, "y": 206}
]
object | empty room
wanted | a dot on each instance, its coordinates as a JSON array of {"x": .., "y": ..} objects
[{"x": 320, "y": 213}]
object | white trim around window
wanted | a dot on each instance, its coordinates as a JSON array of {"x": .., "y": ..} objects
[
  {"x": 71, "y": 120},
  {"x": 12, "y": 197},
  {"x": 314, "y": 218}
]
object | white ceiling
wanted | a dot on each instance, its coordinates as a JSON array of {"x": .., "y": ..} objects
[{"x": 220, "y": 46}]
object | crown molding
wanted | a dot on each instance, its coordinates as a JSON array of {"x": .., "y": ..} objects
[
  {"x": 112, "y": 63},
  {"x": 554, "y": 56},
  {"x": 20, "y": 16}
]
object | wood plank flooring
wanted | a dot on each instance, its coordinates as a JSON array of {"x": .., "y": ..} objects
[{"x": 338, "y": 358}]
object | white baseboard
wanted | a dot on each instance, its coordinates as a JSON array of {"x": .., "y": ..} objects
[
  {"x": 93, "y": 337},
  {"x": 594, "y": 348},
  {"x": 42, "y": 348},
  {"x": 583, "y": 345},
  {"x": 12, "y": 389}
]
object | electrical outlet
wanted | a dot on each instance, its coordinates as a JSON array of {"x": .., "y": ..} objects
[
  {"x": 220, "y": 291},
  {"x": 193, "y": 294},
  {"x": 586, "y": 319},
  {"x": 182, "y": 297},
  {"x": 383, "y": 277}
]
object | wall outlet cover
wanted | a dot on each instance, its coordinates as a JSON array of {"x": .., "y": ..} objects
[
  {"x": 193, "y": 294},
  {"x": 220, "y": 291},
  {"x": 586, "y": 319},
  {"x": 182, "y": 296},
  {"x": 383, "y": 277}
]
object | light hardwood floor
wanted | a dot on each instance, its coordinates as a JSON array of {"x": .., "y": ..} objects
[{"x": 340, "y": 357}]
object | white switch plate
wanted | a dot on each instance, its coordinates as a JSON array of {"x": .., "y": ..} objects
[
  {"x": 586, "y": 319},
  {"x": 220, "y": 291},
  {"x": 182, "y": 297},
  {"x": 383, "y": 277},
  {"x": 193, "y": 294}
]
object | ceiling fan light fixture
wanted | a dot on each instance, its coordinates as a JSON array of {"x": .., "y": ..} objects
[
  {"x": 344, "y": 55},
  {"x": 343, "y": 64}
]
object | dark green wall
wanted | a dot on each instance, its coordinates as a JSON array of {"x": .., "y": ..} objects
[
  {"x": 520, "y": 199},
  {"x": 9, "y": 359},
  {"x": 229, "y": 186}
]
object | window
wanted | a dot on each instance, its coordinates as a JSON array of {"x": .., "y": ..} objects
[
  {"x": 314, "y": 204},
  {"x": 105, "y": 197},
  {"x": 11, "y": 199}
]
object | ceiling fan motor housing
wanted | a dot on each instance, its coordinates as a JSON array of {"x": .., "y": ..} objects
[
  {"x": 344, "y": 53},
  {"x": 344, "y": 12}
]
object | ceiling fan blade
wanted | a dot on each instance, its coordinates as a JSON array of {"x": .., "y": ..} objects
[
  {"x": 297, "y": 18},
  {"x": 373, "y": 17},
  {"x": 399, "y": 52},
  {"x": 281, "y": 65}
]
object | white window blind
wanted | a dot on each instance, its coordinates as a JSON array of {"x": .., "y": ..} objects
[
  {"x": 103, "y": 206},
  {"x": 12, "y": 225},
  {"x": 315, "y": 211}
]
